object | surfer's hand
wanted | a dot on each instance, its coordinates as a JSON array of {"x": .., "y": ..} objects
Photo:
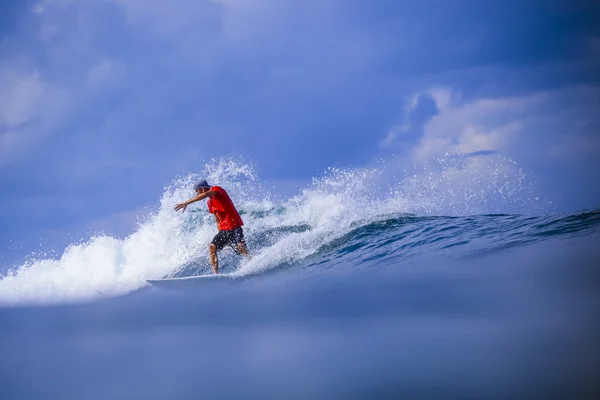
[{"x": 181, "y": 206}]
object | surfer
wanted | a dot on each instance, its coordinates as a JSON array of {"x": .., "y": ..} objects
[{"x": 229, "y": 222}]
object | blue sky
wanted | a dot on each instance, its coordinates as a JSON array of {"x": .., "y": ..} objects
[{"x": 103, "y": 102}]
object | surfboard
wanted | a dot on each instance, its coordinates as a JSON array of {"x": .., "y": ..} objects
[{"x": 187, "y": 281}]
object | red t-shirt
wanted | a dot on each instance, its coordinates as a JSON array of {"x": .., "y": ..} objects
[{"x": 222, "y": 206}]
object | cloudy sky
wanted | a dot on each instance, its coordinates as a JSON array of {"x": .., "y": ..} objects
[{"x": 103, "y": 102}]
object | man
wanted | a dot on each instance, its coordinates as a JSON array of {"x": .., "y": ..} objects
[{"x": 229, "y": 222}]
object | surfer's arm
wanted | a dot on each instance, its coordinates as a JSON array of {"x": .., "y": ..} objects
[{"x": 202, "y": 196}]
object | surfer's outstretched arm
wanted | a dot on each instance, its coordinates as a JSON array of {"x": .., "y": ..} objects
[{"x": 201, "y": 196}]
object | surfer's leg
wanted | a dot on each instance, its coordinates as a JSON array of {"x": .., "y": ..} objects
[
  {"x": 242, "y": 248},
  {"x": 217, "y": 244},
  {"x": 239, "y": 239},
  {"x": 214, "y": 260}
]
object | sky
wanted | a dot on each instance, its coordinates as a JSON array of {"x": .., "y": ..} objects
[{"x": 104, "y": 102}]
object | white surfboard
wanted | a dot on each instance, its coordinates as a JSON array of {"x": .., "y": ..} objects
[{"x": 187, "y": 281}]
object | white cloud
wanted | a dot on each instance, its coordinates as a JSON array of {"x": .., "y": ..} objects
[
  {"x": 38, "y": 8},
  {"x": 104, "y": 76},
  {"x": 500, "y": 124},
  {"x": 394, "y": 133},
  {"x": 10, "y": 142},
  {"x": 20, "y": 99},
  {"x": 442, "y": 97},
  {"x": 20, "y": 96},
  {"x": 405, "y": 126},
  {"x": 464, "y": 128},
  {"x": 169, "y": 17},
  {"x": 473, "y": 139},
  {"x": 29, "y": 110},
  {"x": 558, "y": 129},
  {"x": 389, "y": 138}
]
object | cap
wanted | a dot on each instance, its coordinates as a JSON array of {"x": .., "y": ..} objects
[{"x": 201, "y": 185}]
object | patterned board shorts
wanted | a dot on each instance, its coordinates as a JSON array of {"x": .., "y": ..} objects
[{"x": 232, "y": 238}]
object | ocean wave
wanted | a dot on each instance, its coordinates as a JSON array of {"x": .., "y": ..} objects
[{"x": 346, "y": 219}]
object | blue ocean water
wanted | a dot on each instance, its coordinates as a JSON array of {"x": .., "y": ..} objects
[{"x": 359, "y": 286}]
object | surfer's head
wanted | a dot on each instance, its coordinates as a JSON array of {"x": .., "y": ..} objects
[{"x": 201, "y": 186}]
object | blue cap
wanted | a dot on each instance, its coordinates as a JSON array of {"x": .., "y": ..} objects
[{"x": 202, "y": 185}]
